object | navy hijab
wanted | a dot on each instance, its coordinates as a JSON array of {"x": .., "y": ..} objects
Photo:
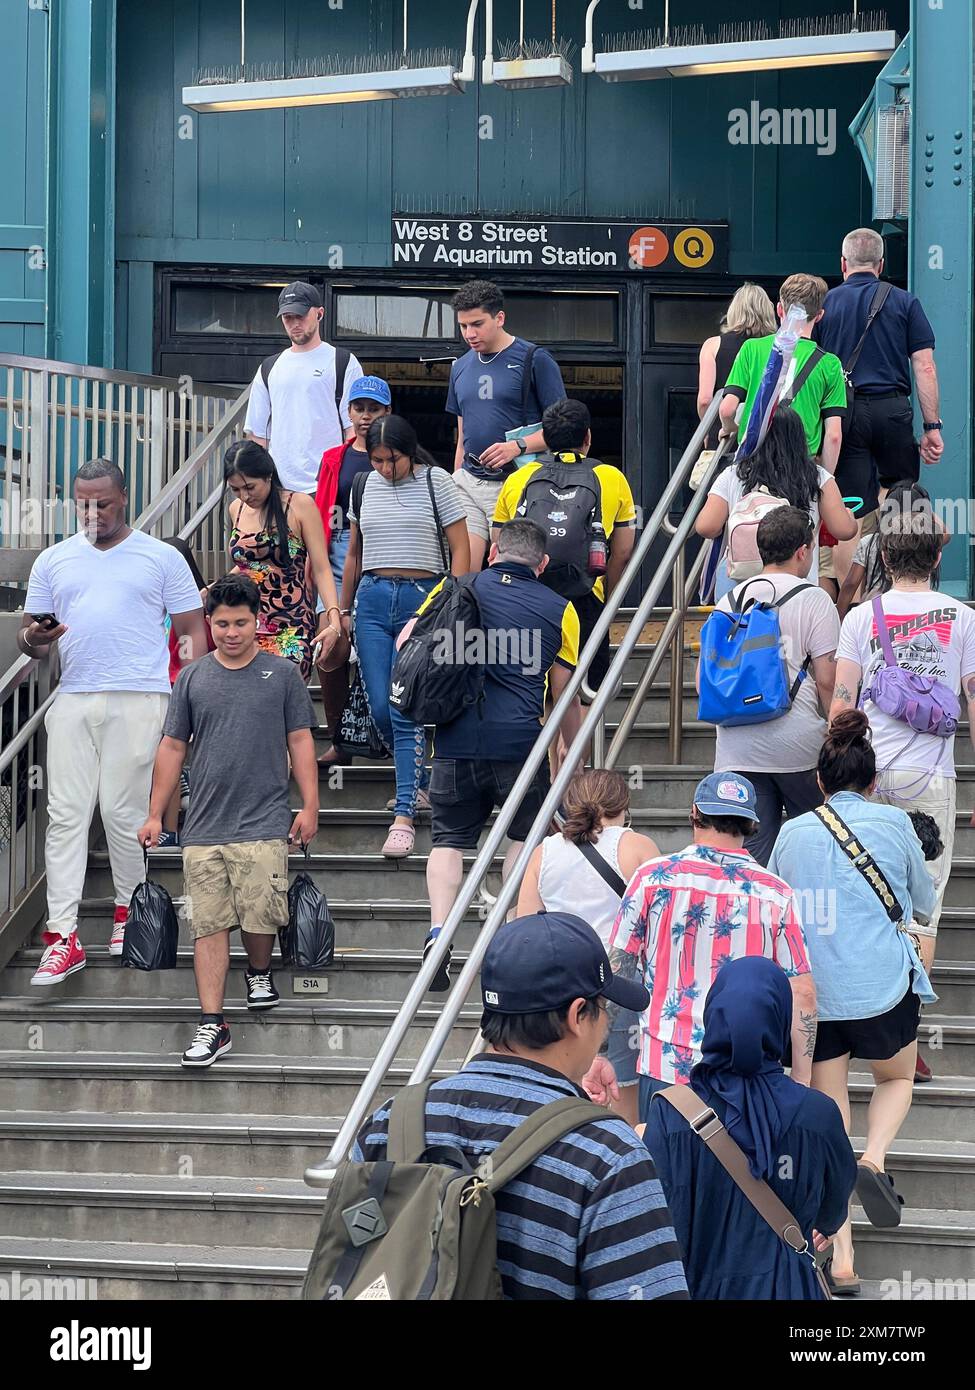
[{"x": 747, "y": 1024}]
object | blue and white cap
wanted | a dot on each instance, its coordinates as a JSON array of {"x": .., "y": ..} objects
[
  {"x": 371, "y": 388},
  {"x": 726, "y": 794}
]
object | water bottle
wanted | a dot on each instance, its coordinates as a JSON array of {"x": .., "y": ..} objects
[{"x": 597, "y": 550}]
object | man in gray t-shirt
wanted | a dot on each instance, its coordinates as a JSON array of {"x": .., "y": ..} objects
[
  {"x": 779, "y": 756},
  {"x": 246, "y": 712}
]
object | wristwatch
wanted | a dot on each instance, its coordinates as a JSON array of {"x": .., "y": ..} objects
[
  {"x": 522, "y": 446},
  {"x": 931, "y": 425}
]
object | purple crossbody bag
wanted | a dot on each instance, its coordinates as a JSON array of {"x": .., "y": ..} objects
[{"x": 923, "y": 703}]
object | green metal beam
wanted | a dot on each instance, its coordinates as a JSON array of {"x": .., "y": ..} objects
[{"x": 940, "y": 239}]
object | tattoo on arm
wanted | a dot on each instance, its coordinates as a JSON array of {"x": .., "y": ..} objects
[
  {"x": 970, "y": 687},
  {"x": 807, "y": 1027},
  {"x": 627, "y": 966},
  {"x": 842, "y": 692}
]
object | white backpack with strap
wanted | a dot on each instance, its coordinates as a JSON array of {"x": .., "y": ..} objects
[{"x": 741, "y": 553}]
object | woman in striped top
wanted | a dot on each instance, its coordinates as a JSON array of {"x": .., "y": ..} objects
[{"x": 407, "y": 526}]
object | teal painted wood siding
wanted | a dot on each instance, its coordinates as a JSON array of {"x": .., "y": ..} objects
[{"x": 23, "y": 173}]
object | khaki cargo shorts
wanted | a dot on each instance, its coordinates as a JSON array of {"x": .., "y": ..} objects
[
  {"x": 480, "y": 497},
  {"x": 243, "y": 885}
]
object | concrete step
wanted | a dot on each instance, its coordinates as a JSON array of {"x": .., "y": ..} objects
[
  {"x": 237, "y": 1084},
  {"x": 228, "y": 1146},
  {"x": 268, "y": 1212},
  {"x": 932, "y": 1173},
  {"x": 943, "y": 1109},
  {"x": 948, "y": 1042},
  {"x": 956, "y": 934},
  {"x": 357, "y": 974},
  {"x": 930, "y": 1244},
  {"x": 954, "y": 984},
  {"x": 298, "y": 1030},
  {"x": 113, "y": 1270}
]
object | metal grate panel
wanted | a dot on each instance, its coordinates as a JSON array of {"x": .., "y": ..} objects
[{"x": 892, "y": 162}]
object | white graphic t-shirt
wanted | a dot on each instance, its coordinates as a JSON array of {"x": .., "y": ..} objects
[{"x": 932, "y": 635}]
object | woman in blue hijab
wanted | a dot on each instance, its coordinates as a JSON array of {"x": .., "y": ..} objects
[{"x": 793, "y": 1138}]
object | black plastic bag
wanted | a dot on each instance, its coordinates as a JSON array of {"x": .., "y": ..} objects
[
  {"x": 151, "y": 929},
  {"x": 358, "y": 735},
  {"x": 308, "y": 941}
]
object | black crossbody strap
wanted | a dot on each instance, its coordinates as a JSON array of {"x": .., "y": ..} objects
[
  {"x": 605, "y": 871},
  {"x": 444, "y": 557},
  {"x": 802, "y": 376},
  {"x": 862, "y": 860},
  {"x": 876, "y": 304}
]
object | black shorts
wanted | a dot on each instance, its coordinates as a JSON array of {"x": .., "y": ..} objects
[
  {"x": 879, "y": 447},
  {"x": 874, "y": 1039},
  {"x": 590, "y": 610},
  {"x": 464, "y": 792}
]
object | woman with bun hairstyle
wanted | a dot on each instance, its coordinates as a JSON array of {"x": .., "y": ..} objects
[
  {"x": 869, "y": 979},
  {"x": 562, "y": 877}
]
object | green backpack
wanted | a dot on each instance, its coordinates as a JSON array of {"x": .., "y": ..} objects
[{"x": 416, "y": 1228}]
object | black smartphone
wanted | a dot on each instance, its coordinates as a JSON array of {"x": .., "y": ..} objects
[{"x": 46, "y": 620}]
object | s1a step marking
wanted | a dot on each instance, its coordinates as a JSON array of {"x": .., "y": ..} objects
[{"x": 309, "y": 984}]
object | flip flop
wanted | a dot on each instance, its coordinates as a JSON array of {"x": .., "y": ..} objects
[
  {"x": 878, "y": 1196},
  {"x": 841, "y": 1286},
  {"x": 399, "y": 842}
]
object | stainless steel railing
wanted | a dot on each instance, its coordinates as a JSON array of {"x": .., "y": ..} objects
[
  {"x": 54, "y": 415},
  {"x": 320, "y": 1174}
]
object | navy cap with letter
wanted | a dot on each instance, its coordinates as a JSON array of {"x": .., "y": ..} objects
[
  {"x": 544, "y": 961},
  {"x": 726, "y": 794},
  {"x": 298, "y": 298}
]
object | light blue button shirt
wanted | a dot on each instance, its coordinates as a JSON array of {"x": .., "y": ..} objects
[{"x": 861, "y": 963}]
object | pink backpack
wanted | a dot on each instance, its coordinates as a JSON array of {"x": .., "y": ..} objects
[{"x": 741, "y": 552}]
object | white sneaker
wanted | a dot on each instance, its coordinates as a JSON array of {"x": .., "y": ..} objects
[{"x": 118, "y": 937}]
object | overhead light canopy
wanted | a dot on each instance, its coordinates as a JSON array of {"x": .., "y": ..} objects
[
  {"x": 748, "y": 50},
  {"x": 396, "y": 76},
  {"x": 533, "y": 64}
]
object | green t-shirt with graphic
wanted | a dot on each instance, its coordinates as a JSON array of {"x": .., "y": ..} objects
[{"x": 822, "y": 393}]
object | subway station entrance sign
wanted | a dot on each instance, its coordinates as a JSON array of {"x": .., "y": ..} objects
[{"x": 476, "y": 243}]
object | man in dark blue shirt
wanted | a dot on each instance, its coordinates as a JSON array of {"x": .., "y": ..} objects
[
  {"x": 879, "y": 447},
  {"x": 530, "y": 640},
  {"x": 492, "y": 400}
]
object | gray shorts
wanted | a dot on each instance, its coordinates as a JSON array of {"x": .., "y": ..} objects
[{"x": 480, "y": 497}]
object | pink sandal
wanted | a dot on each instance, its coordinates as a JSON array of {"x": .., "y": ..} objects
[{"x": 400, "y": 842}]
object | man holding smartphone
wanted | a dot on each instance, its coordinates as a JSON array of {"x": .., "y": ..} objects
[{"x": 104, "y": 593}]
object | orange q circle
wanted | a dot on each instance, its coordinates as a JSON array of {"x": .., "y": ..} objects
[{"x": 648, "y": 247}]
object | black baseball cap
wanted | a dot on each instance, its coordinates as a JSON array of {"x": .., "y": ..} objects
[
  {"x": 299, "y": 298},
  {"x": 547, "y": 959}
]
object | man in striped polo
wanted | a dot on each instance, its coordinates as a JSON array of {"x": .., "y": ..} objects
[{"x": 588, "y": 1219}]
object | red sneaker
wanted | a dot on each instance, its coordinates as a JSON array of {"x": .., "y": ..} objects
[
  {"x": 118, "y": 931},
  {"x": 922, "y": 1072},
  {"x": 63, "y": 957}
]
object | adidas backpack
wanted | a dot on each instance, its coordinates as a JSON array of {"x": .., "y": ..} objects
[
  {"x": 420, "y": 1226},
  {"x": 741, "y": 552},
  {"x": 435, "y": 676},
  {"x": 565, "y": 499}
]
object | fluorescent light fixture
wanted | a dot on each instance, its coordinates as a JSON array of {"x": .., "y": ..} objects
[
  {"x": 696, "y": 60},
  {"x": 531, "y": 72},
  {"x": 322, "y": 91}
]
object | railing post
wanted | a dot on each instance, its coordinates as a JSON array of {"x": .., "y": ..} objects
[{"x": 676, "y": 726}]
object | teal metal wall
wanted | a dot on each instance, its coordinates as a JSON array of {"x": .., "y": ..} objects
[
  {"x": 23, "y": 174},
  {"x": 286, "y": 187}
]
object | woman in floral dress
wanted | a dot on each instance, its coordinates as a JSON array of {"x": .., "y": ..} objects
[{"x": 278, "y": 541}]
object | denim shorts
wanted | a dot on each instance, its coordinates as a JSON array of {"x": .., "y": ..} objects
[{"x": 624, "y": 1047}]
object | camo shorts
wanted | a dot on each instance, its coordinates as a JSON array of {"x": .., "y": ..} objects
[{"x": 243, "y": 885}]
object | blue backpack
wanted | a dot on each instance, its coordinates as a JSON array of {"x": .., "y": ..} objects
[{"x": 744, "y": 675}]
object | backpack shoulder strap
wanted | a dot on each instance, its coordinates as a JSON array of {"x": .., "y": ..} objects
[
  {"x": 406, "y": 1137},
  {"x": 539, "y": 1132},
  {"x": 862, "y": 860},
  {"x": 356, "y": 493},
  {"x": 527, "y": 381},
  {"x": 803, "y": 375},
  {"x": 444, "y": 557},
  {"x": 883, "y": 636},
  {"x": 342, "y": 356},
  {"x": 876, "y": 304},
  {"x": 709, "y": 1129},
  {"x": 604, "y": 869},
  {"x": 267, "y": 364},
  {"x": 781, "y": 602}
]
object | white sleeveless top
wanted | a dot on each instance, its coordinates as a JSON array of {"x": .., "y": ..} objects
[{"x": 567, "y": 882}]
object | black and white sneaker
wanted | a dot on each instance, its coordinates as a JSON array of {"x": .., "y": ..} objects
[
  {"x": 441, "y": 981},
  {"x": 184, "y": 791},
  {"x": 212, "y": 1041},
  {"x": 261, "y": 993}
]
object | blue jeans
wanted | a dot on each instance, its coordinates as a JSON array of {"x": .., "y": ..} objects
[
  {"x": 337, "y": 551},
  {"x": 382, "y": 608},
  {"x": 649, "y": 1085}
]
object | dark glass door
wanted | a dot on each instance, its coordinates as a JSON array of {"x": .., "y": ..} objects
[{"x": 669, "y": 421}]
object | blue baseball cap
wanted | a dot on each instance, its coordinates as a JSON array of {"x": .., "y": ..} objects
[
  {"x": 546, "y": 960},
  {"x": 726, "y": 794},
  {"x": 371, "y": 388}
]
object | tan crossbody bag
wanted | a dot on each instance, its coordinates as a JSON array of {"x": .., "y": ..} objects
[{"x": 708, "y": 1128}]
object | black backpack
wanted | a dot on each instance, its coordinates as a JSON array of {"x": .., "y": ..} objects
[
  {"x": 436, "y": 676},
  {"x": 341, "y": 367},
  {"x": 565, "y": 499}
]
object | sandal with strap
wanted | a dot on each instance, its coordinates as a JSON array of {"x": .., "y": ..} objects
[
  {"x": 841, "y": 1286},
  {"x": 400, "y": 842},
  {"x": 878, "y": 1196}
]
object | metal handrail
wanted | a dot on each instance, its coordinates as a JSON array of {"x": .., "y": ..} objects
[
  {"x": 319, "y": 1175},
  {"x": 193, "y": 466},
  {"x": 43, "y": 364}
]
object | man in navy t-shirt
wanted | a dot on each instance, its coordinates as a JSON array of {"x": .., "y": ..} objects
[{"x": 488, "y": 395}]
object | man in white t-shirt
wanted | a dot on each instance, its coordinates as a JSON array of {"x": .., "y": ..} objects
[
  {"x": 108, "y": 590},
  {"x": 779, "y": 756},
  {"x": 297, "y": 408},
  {"x": 934, "y": 636}
]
